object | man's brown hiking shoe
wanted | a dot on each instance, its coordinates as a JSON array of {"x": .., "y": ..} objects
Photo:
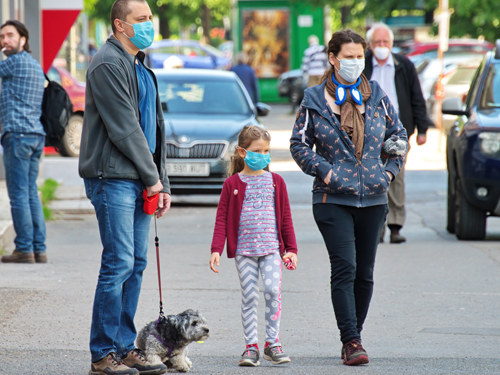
[
  {"x": 19, "y": 257},
  {"x": 111, "y": 365},
  {"x": 137, "y": 359},
  {"x": 353, "y": 353},
  {"x": 41, "y": 257}
]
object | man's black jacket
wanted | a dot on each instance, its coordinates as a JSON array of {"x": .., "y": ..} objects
[{"x": 412, "y": 110}]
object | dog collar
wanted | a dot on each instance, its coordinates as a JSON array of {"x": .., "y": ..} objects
[
  {"x": 341, "y": 93},
  {"x": 170, "y": 347}
]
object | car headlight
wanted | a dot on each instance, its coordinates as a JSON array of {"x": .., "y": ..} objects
[
  {"x": 230, "y": 150},
  {"x": 490, "y": 142}
]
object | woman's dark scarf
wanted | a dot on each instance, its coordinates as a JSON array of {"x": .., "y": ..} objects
[{"x": 352, "y": 121}]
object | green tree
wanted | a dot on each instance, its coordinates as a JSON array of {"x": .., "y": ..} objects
[
  {"x": 179, "y": 12},
  {"x": 471, "y": 18}
]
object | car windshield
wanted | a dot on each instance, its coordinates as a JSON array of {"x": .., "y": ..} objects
[
  {"x": 202, "y": 96},
  {"x": 490, "y": 97},
  {"x": 213, "y": 50},
  {"x": 461, "y": 76}
]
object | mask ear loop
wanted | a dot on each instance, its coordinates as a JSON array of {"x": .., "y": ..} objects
[{"x": 123, "y": 32}]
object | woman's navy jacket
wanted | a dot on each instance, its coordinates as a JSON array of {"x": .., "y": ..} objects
[{"x": 358, "y": 183}]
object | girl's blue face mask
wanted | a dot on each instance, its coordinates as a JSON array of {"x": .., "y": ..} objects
[
  {"x": 256, "y": 161},
  {"x": 144, "y": 34}
]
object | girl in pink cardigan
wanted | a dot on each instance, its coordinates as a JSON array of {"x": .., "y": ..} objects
[{"x": 254, "y": 216}]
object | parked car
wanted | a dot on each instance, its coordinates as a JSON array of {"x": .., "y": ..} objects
[
  {"x": 204, "y": 112},
  {"x": 70, "y": 144},
  {"x": 454, "y": 84},
  {"x": 428, "y": 67},
  {"x": 193, "y": 54},
  {"x": 291, "y": 85},
  {"x": 227, "y": 49},
  {"x": 412, "y": 48},
  {"x": 473, "y": 153}
]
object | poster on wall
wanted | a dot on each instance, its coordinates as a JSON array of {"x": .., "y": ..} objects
[{"x": 266, "y": 40}]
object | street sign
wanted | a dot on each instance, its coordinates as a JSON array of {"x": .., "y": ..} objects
[{"x": 58, "y": 16}]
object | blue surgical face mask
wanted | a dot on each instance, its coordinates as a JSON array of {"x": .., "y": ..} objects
[
  {"x": 144, "y": 34},
  {"x": 256, "y": 161}
]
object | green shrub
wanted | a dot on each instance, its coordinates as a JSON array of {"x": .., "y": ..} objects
[{"x": 48, "y": 191}]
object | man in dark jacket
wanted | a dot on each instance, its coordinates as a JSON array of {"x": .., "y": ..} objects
[
  {"x": 246, "y": 74},
  {"x": 122, "y": 153},
  {"x": 398, "y": 78}
]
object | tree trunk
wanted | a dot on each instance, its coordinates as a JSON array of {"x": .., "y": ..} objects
[
  {"x": 205, "y": 22},
  {"x": 345, "y": 11},
  {"x": 164, "y": 21}
]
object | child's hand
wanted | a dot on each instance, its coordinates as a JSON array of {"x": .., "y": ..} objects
[
  {"x": 214, "y": 259},
  {"x": 292, "y": 257}
]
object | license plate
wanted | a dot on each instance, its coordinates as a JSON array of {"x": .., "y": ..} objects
[{"x": 188, "y": 169}]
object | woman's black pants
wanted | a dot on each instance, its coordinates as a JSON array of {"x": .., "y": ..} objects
[{"x": 351, "y": 236}]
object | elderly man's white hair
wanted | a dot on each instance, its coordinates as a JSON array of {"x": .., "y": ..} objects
[
  {"x": 376, "y": 26},
  {"x": 313, "y": 39}
]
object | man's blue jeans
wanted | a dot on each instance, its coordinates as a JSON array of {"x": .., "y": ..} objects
[
  {"x": 21, "y": 156},
  {"x": 124, "y": 229}
]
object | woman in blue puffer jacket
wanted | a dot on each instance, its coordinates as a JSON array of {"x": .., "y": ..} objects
[{"x": 348, "y": 119}]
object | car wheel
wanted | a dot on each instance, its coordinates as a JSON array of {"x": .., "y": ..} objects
[
  {"x": 470, "y": 221},
  {"x": 295, "y": 97},
  {"x": 70, "y": 142},
  {"x": 450, "y": 218}
]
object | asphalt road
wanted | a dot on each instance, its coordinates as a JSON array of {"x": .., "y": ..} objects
[{"x": 434, "y": 310}]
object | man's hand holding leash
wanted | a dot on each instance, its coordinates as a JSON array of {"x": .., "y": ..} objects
[
  {"x": 163, "y": 204},
  {"x": 164, "y": 200}
]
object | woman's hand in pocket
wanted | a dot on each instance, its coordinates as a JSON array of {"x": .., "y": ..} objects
[
  {"x": 390, "y": 175},
  {"x": 328, "y": 177}
]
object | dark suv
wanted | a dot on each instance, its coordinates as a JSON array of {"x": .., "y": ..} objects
[{"x": 473, "y": 153}]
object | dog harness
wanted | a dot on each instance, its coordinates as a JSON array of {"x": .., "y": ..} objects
[{"x": 171, "y": 346}]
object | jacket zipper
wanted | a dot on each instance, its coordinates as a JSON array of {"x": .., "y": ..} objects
[{"x": 358, "y": 164}]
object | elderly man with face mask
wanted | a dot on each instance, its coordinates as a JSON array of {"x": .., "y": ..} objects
[
  {"x": 23, "y": 139},
  {"x": 398, "y": 78}
]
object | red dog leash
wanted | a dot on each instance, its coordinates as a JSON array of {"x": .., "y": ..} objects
[
  {"x": 150, "y": 207},
  {"x": 157, "y": 245}
]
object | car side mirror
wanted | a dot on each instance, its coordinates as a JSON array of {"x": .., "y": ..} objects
[
  {"x": 262, "y": 109},
  {"x": 454, "y": 107}
]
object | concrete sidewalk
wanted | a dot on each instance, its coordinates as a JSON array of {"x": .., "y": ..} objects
[{"x": 7, "y": 233}]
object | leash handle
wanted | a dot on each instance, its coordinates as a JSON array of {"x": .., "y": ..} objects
[{"x": 157, "y": 245}]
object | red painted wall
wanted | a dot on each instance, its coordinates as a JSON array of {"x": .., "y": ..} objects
[{"x": 56, "y": 25}]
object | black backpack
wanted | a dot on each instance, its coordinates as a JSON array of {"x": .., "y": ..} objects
[{"x": 56, "y": 111}]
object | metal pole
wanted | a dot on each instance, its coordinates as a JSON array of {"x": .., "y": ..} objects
[
  {"x": 444, "y": 27},
  {"x": 85, "y": 38},
  {"x": 72, "y": 50}
]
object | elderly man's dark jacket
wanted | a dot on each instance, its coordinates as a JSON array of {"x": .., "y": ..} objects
[{"x": 412, "y": 110}]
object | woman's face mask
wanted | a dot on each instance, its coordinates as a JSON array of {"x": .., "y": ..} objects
[
  {"x": 350, "y": 70},
  {"x": 144, "y": 34}
]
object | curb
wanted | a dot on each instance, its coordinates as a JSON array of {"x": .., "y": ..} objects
[{"x": 7, "y": 235}]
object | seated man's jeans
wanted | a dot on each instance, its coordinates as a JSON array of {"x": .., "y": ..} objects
[
  {"x": 124, "y": 229},
  {"x": 21, "y": 157}
]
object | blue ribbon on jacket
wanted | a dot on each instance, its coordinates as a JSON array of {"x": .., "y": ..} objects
[{"x": 341, "y": 92}]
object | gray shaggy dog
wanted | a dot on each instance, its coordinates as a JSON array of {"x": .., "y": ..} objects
[
  {"x": 166, "y": 339},
  {"x": 394, "y": 146}
]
